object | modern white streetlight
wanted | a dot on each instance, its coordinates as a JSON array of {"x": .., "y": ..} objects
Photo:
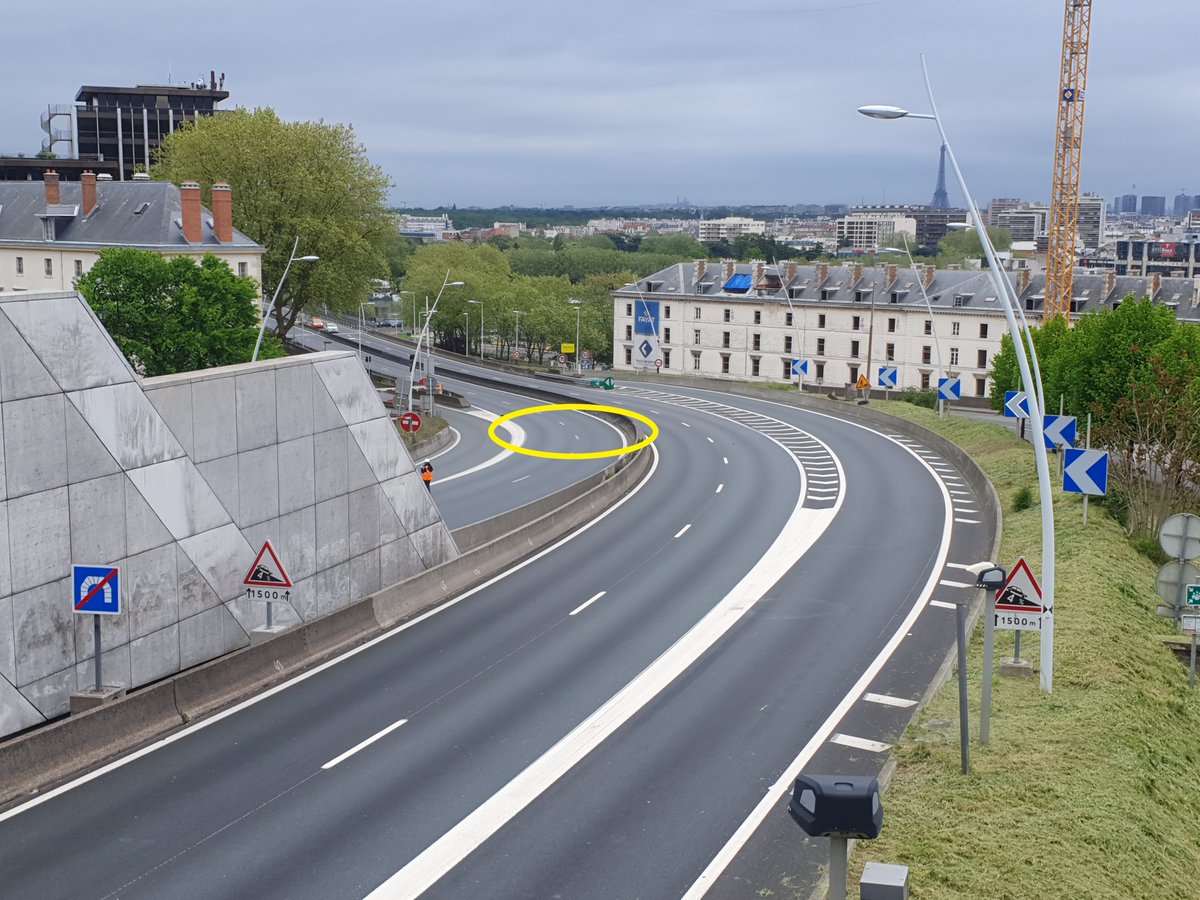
[
  {"x": 517, "y": 340},
  {"x": 412, "y": 323},
  {"x": 292, "y": 257},
  {"x": 479, "y": 303},
  {"x": 1004, "y": 292},
  {"x": 412, "y": 375},
  {"x": 362, "y": 324},
  {"x": 578, "y": 304},
  {"x": 467, "y": 329}
]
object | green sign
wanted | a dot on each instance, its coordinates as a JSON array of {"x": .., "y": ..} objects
[
  {"x": 1193, "y": 595},
  {"x": 606, "y": 383}
]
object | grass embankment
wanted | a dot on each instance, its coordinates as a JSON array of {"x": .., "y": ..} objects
[
  {"x": 431, "y": 426},
  {"x": 1092, "y": 791}
]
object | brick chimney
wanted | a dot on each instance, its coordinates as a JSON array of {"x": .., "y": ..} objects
[
  {"x": 893, "y": 272},
  {"x": 88, "y": 182},
  {"x": 856, "y": 271},
  {"x": 790, "y": 271},
  {"x": 1023, "y": 286},
  {"x": 189, "y": 198},
  {"x": 701, "y": 268},
  {"x": 759, "y": 267},
  {"x": 53, "y": 190},
  {"x": 729, "y": 267},
  {"x": 1155, "y": 284},
  {"x": 222, "y": 211},
  {"x": 822, "y": 273},
  {"x": 930, "y": 274},
  {"x": 1110, "y": 284}
]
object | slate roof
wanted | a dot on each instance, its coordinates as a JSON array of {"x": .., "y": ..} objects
[{"x": 115, "y": 222}]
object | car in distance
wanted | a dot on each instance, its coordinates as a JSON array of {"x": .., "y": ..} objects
[
  {"x": 331, "y": 328},
  {"x": 317, "y": 324},
  {"x": 391, "y": 323}
]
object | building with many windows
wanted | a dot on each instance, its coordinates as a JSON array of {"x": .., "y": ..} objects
[
  {"x": 748, "y": 321},
  {"x": 1177, "y": 256},
  {"x": 729, "y": 228},
  {"x": 52, "y": 232}
]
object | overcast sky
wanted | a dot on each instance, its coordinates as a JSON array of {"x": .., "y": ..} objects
[{"x": 554, "y": 102}]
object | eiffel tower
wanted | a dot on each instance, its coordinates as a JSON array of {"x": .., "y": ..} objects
[{"x": 940, "y": 200}]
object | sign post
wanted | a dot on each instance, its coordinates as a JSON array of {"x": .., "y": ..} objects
[
  {"x": 1191, "y": 625},
  {"x": 887, "y": 379},
  {"x": 96, "y": 590},
  {"x": 266, "y": 578}
]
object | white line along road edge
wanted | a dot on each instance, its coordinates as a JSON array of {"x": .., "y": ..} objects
[{"x": 797, "y": 536}]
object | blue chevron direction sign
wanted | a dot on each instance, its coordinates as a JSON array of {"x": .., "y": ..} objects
[
  {"x": 949, "y": 389},
  {"x": 1086, "y": 472},
  {"x": 1016, "y": 405},
  {"x": 887, "y": 376},
  {"x": 1058, "y": 430},
  {"x": 799, "y": 366}
]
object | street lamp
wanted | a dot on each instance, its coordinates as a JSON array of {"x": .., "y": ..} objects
[
  {"x": 467, "y": 345},
  {"x": 412, "y": 323},
  {"x": 1003, "y": 291},
  {"x": 362, "y": 324},
  {"x": 292, "y": 257},
  {"x": 517, "y": 340},
  {"x": 937, "y": 345},
  {"x": 479, "y": 303},
  {"x": 412, "y": 375},
  {"x": 578, "y": 304}
]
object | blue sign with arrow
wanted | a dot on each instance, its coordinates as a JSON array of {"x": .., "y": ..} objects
[
  {"x": 1057, "y": 431},
  {"x": 1016, "y": 405},
  {"x": 1086, "y": 472},
  {"x": 887, "y": 376},
  {"x": 949, "y": 389},
  {"x": 799, "y": 366}
]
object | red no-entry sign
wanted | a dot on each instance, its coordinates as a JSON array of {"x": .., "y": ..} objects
[{"x": 410, "y": 421}]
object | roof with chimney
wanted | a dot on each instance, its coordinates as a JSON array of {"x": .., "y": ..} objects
[
  {"x": 963, "y": 290},
  {"x": 145, "y": 214}
]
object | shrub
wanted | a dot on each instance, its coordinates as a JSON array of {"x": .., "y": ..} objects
[
  {"x": 926, "y": 398},
  {"x": 1149, "y": 547},
  {"x": 1023, "y": 499}
]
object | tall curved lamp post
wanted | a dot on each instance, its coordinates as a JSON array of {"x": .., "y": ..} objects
[
  {"x": 412, "y": 323},
  {"x": 937, "y": 345},
  {"x": 271, "y": 306},
  {"x": 467, "y": 331},
  {"x": 578, "y": 304},
  {"x": 1046, "y": 497},
  {"x": 424, "y": 331}
]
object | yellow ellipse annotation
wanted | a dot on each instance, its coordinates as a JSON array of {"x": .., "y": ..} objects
[{"x": 577, "y": 407}]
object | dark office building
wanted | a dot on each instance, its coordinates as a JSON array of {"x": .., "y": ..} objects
[
  {"x": 1154, "y": 206},
  {"x": 1127, "y": 203},
  {"x": 1183, "y": 205},
  {"x": 126, "y": 124},
  {"x": 1171, "y": 258}
]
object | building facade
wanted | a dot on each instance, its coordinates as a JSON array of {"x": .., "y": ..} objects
[
  {"x": 748, "y": 321},
  {"x": 729, "y": 228},
  {"x": 869, "y": 231},
  {"x": 1178, "y": 258},
  {"x": 52, "y": 232}
]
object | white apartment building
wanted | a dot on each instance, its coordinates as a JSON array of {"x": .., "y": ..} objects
[
  {"x": 51, "y": 232},
  {"x": 747, "y": 321},
  {"x": 869, "y": 231},
  {"x": 730, "y": 227}
]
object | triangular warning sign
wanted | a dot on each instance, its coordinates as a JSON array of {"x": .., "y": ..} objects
[
  {"x": 863, "y": 382},
  {"x": 267, "y": 570},
  {"x": 1021, "y": 592}
]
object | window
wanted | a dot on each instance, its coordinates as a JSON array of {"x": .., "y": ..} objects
[
  {"x": 724, "y": 338},
  {"x": 891, "y": 326},
  {"x": 666, "y": 356},
  {"x": 856, "y": 323},
  {"x": 924, "y": 381},
  {"x": 788, "y": 320},
  {"x": 629, "y": 356},
  {"x": 980, "y": 387},
  {"x": 696, "y": 336},
  {"x": 983, "y": 329},
  {"x": 243, "y": 269},
  {"x": 666, "y": 335},
  {"x": 729, "y": 315},
  {"x": 929, "y": 326},
  {"x": 890, "y": 353},
  {"x": 758, "y": 317},
  {"x": 854, "y": 373},
  {"x": 695, "y": 360},
  {"x": 854, "y": 349},
  {"x": 629, "y": 309},
  {"x": 754, "y": 365},
  {"x": 724, "y": 363},
  {"x": 787, "y": 368},
  {"x": 20, "y": 265},
  {"x": 696, "y": 313},
  {"x": 954, "y": 356},
  {"x": 895, "y": 297},
  {"x": 820, "y": 372},
  {"x": 981, "y": 359},
  {"x": 629, "y": 332},
  {"x": 827, "y": 294},
  {"x": 787, "y": 344},
  {"x": 954, "y": 329},
  {"x": 48, "y": 265},
  {"x": 757, "y": 343},
  {"x": 820, "y": 346},
  {"x": 79, "y": 268},
  {"x": 926, "y": 354},
  {"x": 821, "y": 320},
  {"x": 666, "y": 315}
]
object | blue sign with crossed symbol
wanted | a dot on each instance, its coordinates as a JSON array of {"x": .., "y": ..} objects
[
  {"x": 887, "y": 376},
  {"x": 949, "y": 389},
  {"x": 799, "y": 366},
  {"x": 96, "y": 590}
]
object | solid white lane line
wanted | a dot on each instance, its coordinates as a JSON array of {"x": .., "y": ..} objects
[
  {"x": 887, "y": 700},
  {"x": 522, "y": 478},
  {"x": 719, "y": 487},
  {"x": 849, "y": 740},
  {"x": 683, "y": 529},
  {"x": 959, "y": 584},
  {"x": 367, "y": 743},
  {"x": 584, "y": 606},
  {"x": 942, "y": 604}
]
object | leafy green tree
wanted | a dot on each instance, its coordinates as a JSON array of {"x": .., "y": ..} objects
[
  {"x": 174, "y": 315},
  {"x": 309, "y": 180},
  {"x": 957, "y": 246},
  {"x": 681, "y": 246}
]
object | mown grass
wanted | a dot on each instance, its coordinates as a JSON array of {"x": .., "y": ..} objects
[{"x": 1092, "y": 791}]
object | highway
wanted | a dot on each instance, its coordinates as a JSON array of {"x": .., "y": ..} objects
[{"x": 600, "y": 721}]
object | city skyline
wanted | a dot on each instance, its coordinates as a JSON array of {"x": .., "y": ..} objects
[{"x": 722, "y": 102}]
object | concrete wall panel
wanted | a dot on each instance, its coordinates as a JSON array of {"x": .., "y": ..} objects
[
  {"x": 114, "y": 630},
  {"x": 149, "y": 585},
  {"x": 382, "y": 448},
  {"x": 363, "y": 519},
  {"x": 296, "y": 542},
  {"x": 5, "y": 563},
  {"x": 297, "y": 474},
  {"x": 293, "y": 402},
  {"x": 8, "y": 641},
  {"x": 127, "y": 424},
  {"x": 333, "y": 532},
  {"x": 412, "y": 502},
  {"x": 144, "y": 530},
  {"x": 16, "y": 713},
  {"x": 214, "y": 419},
  {"x": 39, "y": 538},
  {"x": 97, "y": 510},
  {"x": 114, "y": 670},
  {"x": 434, "y": 545},
  {"x": 70, "y": 342},
  {"x": 174, "y": 404},
  {"x": 180, "y": 496},
  {"x": 221, "y": 474},
  {"x": 21, "y": 372},
  {"x": 43, "y": 627},
  {"x": 358, "y": 470},
  {"x": 154, "y": 656},
  {"x": 195, "y": 594},
  {"x": 350, "y": 388},
  {"x": 3, "y": 478},
  {"x": 333, "y": 588},
  {"x": 325, "y": 411},
  {"x": 202, "y": 636},
  {"x": 398, "y": 560},
  {"x": 258, "y": 481},
  {"x": 330, "y": 461},
  {"x": 87, "y": 457},
  {"x": 364, "y": 575},
  {"x": 35, "y": 444},
  {"x": 254, "y": 393},
  {"x": 304, "y": 598},
  {"x": 51, "y": 696},
  {"x": 222, "y": 556}
]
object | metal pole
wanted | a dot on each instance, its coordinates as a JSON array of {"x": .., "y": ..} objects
[
  {"x": 271, "y": 306},
  {"x": 838, "y": 858},
  {"x": 1192, "y": 676},
  {"x": 481, "y": 331},
  {"x": 989, "y": 644},
  {"x": 100, "y": 682},
  {"x": 578, "y": 368},
  {"x": 1017, "y": 647},
  {"x": 268, "y": 613},
  {"x": 1087, "y": 446},
  {"x": 964, "y": 727},
  {"x": 937, "y": 345}
]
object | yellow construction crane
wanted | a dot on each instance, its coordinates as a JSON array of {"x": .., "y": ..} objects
[{"x": 1068, "y": 148}]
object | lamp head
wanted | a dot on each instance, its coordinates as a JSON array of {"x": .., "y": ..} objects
[
  {"x": 959, "y": 226},
  {"x": 883, "y": 112},
  {"x": 307, "y": 258},
  {"x": 455, "y": 283}
]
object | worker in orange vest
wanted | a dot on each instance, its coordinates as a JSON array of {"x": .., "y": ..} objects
[{"x": 427, "y": 475}]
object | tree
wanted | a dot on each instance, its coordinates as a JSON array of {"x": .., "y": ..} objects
[
  {"x": 292, "y": 179},
  {"x": 680, "y": 246},
  {"x": 175, "y": 315}
]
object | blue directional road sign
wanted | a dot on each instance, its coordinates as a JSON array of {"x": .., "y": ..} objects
[
  {"x": 1058, "y": 430},
  {"x": 96, "y": 590},
  {"x": 1016, "y": 405},
  {"x": 1086, "y": 472},
  {"x": 799, "y": 366},
  {"x": 949, "y": 389},
  {"x": 887, "y": 377}
]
